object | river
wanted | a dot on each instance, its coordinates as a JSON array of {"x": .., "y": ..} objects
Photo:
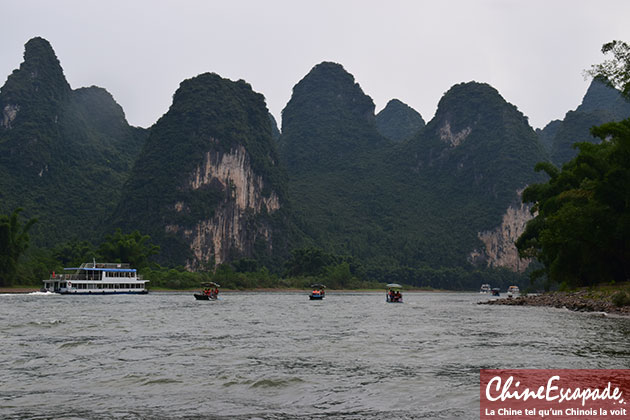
[{"x": 279, "y": 355}]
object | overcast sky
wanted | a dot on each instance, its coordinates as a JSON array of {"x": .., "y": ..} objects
[{"x": 533, "y": 52}]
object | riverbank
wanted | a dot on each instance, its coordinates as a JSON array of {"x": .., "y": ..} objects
[
  {"x": 608, "y": 299},
  {"x": 18, "y": 289},
  {"x": 31, "y": 289}
]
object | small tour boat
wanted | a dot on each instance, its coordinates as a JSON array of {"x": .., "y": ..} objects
[
  {"x": 496, "y": 291},
  {"x": 485, "y": 288},
  {"x": 97, "y": 278},
  {"x": 318, "y": 292},
  {"x": 210, "y": 291},
  {"x": 394, "y": 294},
  {"x": 513, "y": 291}
]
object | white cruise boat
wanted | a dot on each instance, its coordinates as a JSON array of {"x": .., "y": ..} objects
[
  {"x": 513, "y": 291},
  {"x": 485, "y": 289},
  {"x": 97, "y": 278}
]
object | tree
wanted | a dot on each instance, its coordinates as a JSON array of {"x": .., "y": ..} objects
[
  {"x": 581, "y": 231},
  {"x": 615, "y": 71},
  {"x": 308, "y": 262},
  {"x": 14, "y": 240},
  {"x": 133, "y": 248}
]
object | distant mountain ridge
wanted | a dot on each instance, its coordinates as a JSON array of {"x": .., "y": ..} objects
[
  {"x": 385, "y": 203},
  {"x": 214, "y": 180},
  {"x": 64, "y": 154},
  {"x": 600, "y": 104}
]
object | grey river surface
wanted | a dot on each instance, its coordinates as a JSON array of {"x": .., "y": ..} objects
[{"x": 279, "y": 355}]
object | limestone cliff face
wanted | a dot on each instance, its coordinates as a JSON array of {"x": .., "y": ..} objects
[
  {"x": 498, "y": 244},
  {"x": 230, "y": 227}
]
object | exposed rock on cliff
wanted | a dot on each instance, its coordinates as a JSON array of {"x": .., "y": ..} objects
[
  {"x": 498, "y": 244},
  {"x": 228, "y": 228},
  {"x": 207, "y": 183}
]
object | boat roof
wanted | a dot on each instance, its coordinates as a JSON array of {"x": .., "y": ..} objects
[
  {"x": 394, "y": 286},
  {"x": 318, "y": 285},
  {"x": 119, "y": 270},
  {"x": 210, "y": 284}
]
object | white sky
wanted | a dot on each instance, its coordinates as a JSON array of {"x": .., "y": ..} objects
[{"x": 532, "y": 51}]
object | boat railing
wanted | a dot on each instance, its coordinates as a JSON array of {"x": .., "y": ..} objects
[{"x": 83, "y": 277}]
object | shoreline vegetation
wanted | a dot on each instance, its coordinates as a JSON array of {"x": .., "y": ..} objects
[{"x": 610, "y": 299}]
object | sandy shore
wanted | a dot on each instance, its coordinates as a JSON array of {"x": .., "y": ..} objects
[{"x": 582, "y": 301}]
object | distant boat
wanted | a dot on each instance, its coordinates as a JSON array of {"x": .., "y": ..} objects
[
  {"x": 485, "y": 288},
  {"x": 513, "y": 291},
  {"x": 496, "y": 291},
  {"x": 97, "y": 279},
  {"x": 210, "y": 291},
  {"x": 318, "y": 292},
  {"x": 394, "y": 294}
]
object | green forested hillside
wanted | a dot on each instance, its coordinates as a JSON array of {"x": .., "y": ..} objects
[
  {"x": 463, "y": 171},
  {"x": 407, "y": 211},
  {"x": 398, "y": 121},
  {"x": 64, "y": 154},
  {"x": 195, "y": 186}
]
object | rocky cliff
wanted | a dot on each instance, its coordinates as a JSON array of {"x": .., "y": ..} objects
[
  {"x": 498, "y": 248},
  {"x": 207, "y": 186},
  {"x": 227, "y": 231}
]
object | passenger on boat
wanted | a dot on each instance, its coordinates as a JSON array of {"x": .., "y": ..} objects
[{"x": 216, "y": 291}]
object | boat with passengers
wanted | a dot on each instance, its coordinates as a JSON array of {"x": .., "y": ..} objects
[
  {"x": 210, "y": 291},
  {"x": 394, "y": 293},
  {"x": 97, "y": 278},
  {"x": 318, "y": 292}
]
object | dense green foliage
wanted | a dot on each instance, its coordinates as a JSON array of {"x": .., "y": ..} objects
[
  {"x": 581, "y": 232},
  {"x": 64, "y": 154},
  {"x": 133, "y": 248},
  {"x": 14, "y": 240},
  {"x": 398, "y": 121},
  {"x": 615, "y": 70}
]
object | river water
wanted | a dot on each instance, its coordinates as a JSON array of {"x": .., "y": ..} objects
[{"x": 279, "y": 355}]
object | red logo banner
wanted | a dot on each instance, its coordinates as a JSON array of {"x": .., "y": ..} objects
[{"x": 554, "y": 394}]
